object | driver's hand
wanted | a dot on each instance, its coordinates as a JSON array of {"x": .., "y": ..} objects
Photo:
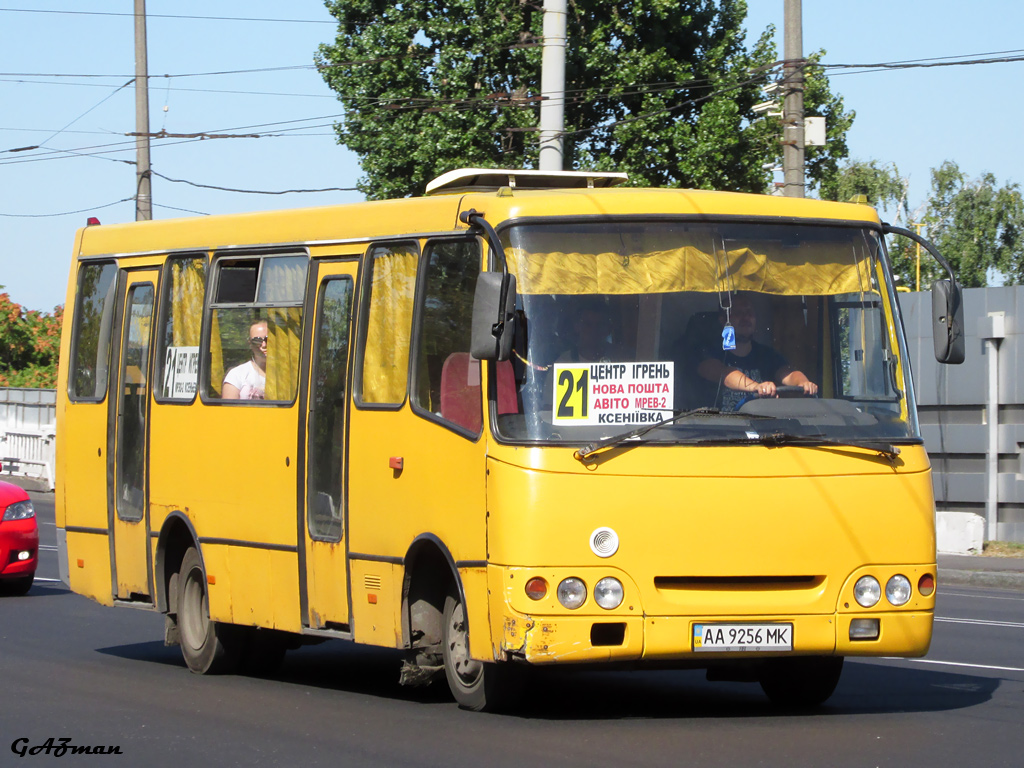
[
  {"x": 766, "y": 389},
  {"x": 810, "y": 388}
]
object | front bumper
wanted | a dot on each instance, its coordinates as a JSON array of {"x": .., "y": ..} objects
[
  {"x": 18, "y": 536},
  {"x": 668, "y": 639}
]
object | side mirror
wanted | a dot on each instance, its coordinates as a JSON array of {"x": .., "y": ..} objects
[
  {"x": 948, "y": 321},
  {"x": 493, "y": 330}
]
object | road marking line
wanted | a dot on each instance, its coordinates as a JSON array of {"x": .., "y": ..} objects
[
  {"x": 981, "y": 597},
  {"x": 56, "y": 581},
  {"x": 984, "y": 623},
  {"x": 48, "y": 547},
  {"x": 961, "y": 664}
]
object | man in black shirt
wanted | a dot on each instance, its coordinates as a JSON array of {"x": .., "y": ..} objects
[{"x": 751, "y": 368}]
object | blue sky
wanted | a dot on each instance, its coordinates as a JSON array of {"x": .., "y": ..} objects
[{"x": 915, "y": 118}]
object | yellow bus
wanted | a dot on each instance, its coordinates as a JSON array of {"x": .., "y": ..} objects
[{"x": 514, "y": 422}]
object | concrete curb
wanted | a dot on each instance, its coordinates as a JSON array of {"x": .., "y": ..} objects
[{"x": 994, "y": 579}]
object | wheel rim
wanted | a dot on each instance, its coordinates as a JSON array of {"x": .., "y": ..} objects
[
  {"x": 194, "y": 617},
  {"x": 466, "y": 669}
]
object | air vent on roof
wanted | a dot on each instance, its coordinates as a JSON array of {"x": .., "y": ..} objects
[{"x": 491, "y": 180}]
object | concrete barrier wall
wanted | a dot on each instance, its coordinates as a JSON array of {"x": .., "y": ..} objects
[{"x": 951, "y": 401}]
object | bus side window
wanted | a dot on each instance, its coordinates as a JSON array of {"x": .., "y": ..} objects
[
  {"x": 382, "y": 373},
  {"x": 256, "y": 328},
  {"x": 90, "y": 341},
  {"x": 177, "y": 354},
  {"x": 447, "y": 380}
]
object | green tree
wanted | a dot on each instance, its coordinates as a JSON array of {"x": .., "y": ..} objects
[
  {"x": 977, "y": 225},
  {"x": 881, "y": 185},
  {"x": 662, "y": 90},
  {"x": 29, "y": 345}
]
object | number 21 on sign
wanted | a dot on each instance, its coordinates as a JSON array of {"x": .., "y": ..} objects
[{"x": 571, "y": 393}]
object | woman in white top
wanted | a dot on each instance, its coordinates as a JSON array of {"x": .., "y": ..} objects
[{"x": 248, "y": 380}]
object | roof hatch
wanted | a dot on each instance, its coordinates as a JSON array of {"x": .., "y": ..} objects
[{"x": 493, "y": 179}]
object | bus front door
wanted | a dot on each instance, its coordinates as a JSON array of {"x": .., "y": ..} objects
[
  {"x": 325, "y": 604},
  {"x": 127, "y": 505}
]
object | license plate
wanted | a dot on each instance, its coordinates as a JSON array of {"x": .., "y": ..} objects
[{"x": 742, "y": 637}]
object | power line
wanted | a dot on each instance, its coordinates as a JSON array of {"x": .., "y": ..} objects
[
  {"x": 127, "y": 145},
  {"x": 183, "y": 210},
  {"x": 90, "y": 109},
  {"x": 178, "y": 90},
  {"x": 172, "y": 16},
  {"x": 64, "y": 213},
  {"x": 255, "y": 191},
  {"x": 319, "y": 67}
]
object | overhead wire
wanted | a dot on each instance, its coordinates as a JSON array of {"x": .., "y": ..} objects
[
  {"x": 169, "y": 16},
  {"x": 254, "y": 191},
  {"x": 490, "y": 101},
  {"x": 65, "y": 213}
]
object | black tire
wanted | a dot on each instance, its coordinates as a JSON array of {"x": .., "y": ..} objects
[
  {"x": 17, "y": 587},
  {"x": 476, "y": 685},
  {"x": 801, "y": 682},
  {"x": 208, "y": 647}
]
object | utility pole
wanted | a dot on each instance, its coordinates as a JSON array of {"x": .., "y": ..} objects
[
  {"x": 143, "y": 178},
  {"x": 552, "y": 87},
  {"x": 793, "y": 106}
]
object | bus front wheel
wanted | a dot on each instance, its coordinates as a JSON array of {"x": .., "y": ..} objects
[
  {"x": 209, "y": 647},
  {"x": 476, "y": 685},
  {"x": 801, "y": 682}
]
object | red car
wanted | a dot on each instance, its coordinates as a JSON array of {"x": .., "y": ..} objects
[{"x": 19, "y": 541}]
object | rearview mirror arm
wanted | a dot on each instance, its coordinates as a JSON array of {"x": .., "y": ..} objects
[
  {"x": 476, "y": 220},
  {"x": 889, "y": 229}
]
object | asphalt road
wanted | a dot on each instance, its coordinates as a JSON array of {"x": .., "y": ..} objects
[{"x": 102, "y": 677}]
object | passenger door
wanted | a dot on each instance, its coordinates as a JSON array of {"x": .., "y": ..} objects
[
  {"x": 128, "y": 487},
  {"x": 325, "y": 568}
]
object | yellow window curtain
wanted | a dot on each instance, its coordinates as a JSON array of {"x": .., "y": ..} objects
[
  {"x": 187, "y": 279},
  {"x": 216, "y": 356},
  {"x": 812, "y": 270},
  {"x": 283, "y": 345},
  {"x": 386, "y": 356}
]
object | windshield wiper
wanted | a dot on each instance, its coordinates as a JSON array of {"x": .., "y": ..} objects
[
  {"x": 888, "y": 450},
  {"x": 636, "y": 434}
]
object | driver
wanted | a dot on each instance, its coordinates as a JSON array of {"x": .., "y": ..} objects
[{"x": 750, "y": 368}]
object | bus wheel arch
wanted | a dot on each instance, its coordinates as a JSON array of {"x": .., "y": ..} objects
[
  {"x": 436, "y": 630},
  {"x": 209, "y": 647},
  {"x": 430, "y": 575},
  {"x": 176, "y": 536}
]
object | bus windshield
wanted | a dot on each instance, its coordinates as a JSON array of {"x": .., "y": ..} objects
[{"x": 780, "y": 328}]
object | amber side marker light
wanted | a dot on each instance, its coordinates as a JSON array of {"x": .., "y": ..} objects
[
  {"x": 926, "y": 585},
  {"x": 536, "y": 588}
]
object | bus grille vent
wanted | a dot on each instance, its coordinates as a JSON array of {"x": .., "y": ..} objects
[
  {"x": 371, "y": 582},
  {"x": 737, "y": 583}
]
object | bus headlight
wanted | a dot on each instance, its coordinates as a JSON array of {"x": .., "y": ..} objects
[
  {"x": 608, "y": 593},
  {"x": 867, "y": 591},
  {"x": 572, "y": 593},
  {"x": 897, "y": 590}
]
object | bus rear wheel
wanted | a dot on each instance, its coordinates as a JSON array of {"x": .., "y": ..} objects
[
  {"x": 801, "y": 682},
  {"x": 476, "y": 685},
  {"x": 208, "y": 647}
]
